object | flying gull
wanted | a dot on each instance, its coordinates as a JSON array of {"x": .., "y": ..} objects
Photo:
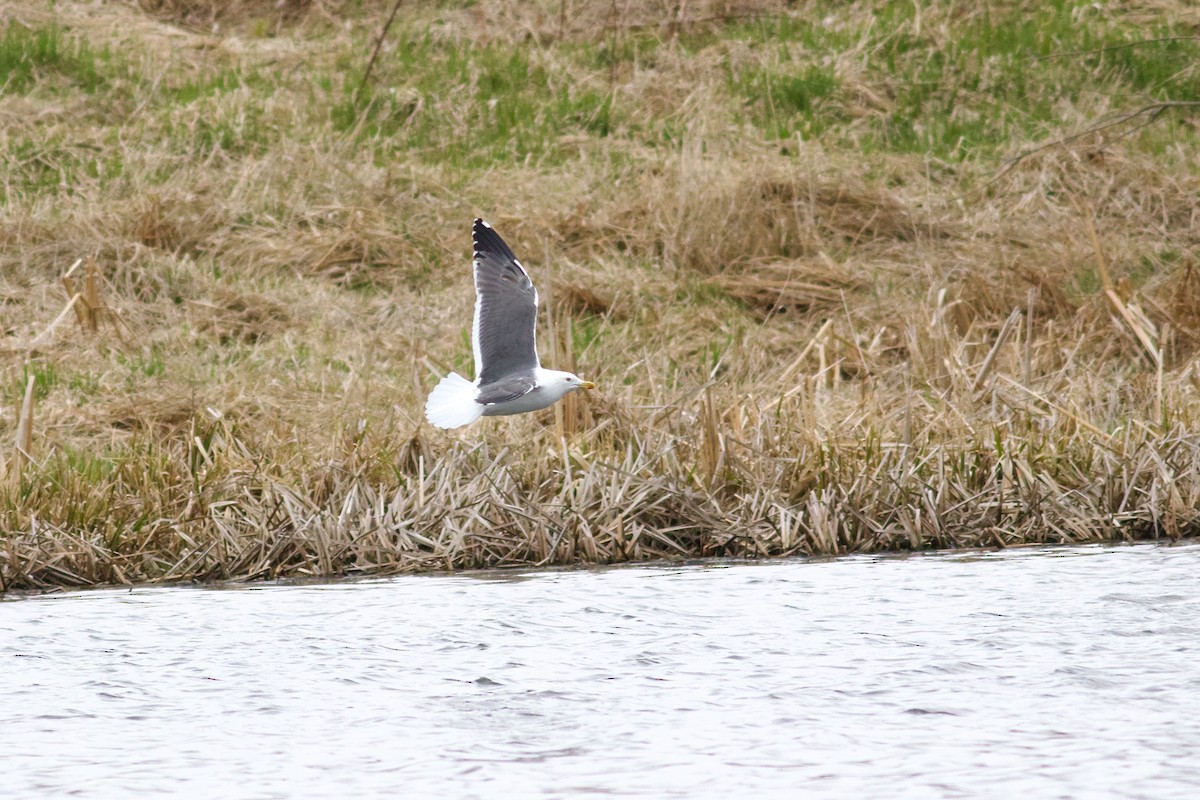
[{"x": 509, "y": 378}]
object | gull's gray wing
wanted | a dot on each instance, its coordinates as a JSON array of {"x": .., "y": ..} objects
[
  {"x": 505, "y": 310},
  {"x": 505, "y": 389}
]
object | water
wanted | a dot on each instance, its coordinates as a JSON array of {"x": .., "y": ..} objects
[{"x": 1070, "y": 673}]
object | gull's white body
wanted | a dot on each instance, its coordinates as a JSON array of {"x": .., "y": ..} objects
[{"x": 452, "y": 404}]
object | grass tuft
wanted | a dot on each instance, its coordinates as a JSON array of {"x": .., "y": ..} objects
[{"x": 32, "y": 56}]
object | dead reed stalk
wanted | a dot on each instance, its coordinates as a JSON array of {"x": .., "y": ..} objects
[{"x": 24, "y": 439}]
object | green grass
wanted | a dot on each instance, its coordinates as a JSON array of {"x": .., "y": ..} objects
[
  {"x": 786, "y": 102},
  {"x": 49, "y": 166},
  {"x": 225, "y": 80},
  {"x": 145, "y": 363},
  {"x": 471, "y": 106},
  {"x": 996, "y": 78},
  {"x": 29, "y": 57},
  {"x": 45, "y": 376},
  {"x": 1006, "y": 77}
]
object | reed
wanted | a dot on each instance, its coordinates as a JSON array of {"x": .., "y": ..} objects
[{"x": 829, "y": 309}]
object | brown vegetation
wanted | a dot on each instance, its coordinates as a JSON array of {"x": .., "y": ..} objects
[{"x": 803, "y": 347}]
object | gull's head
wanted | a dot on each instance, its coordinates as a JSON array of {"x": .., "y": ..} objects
[
  {"x": 574, "y": 382},
  {"x": 561, "y": 383}
]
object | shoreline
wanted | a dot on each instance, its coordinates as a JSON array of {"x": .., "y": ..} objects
[{"x": 500, "y": 571}]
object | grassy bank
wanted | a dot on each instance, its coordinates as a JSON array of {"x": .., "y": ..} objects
[{"x": 851, "y": 277}]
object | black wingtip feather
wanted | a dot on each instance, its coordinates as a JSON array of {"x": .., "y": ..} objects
[{"x": 486, "y": 240}]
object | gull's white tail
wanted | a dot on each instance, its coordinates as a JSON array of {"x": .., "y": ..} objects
[{"x": 452, "y": 404}]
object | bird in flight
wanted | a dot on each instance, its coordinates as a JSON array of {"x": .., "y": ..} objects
[{"x": 509, "y": 378}]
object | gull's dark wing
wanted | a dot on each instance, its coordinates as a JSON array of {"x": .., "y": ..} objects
[
  {"x": 505, "y": 310},
  {"x": 505, "y": 389}
]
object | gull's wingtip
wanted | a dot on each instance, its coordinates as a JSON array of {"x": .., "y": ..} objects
[{"x": 480, "y": 232}]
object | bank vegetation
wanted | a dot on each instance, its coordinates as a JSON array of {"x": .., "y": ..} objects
[{"x": 852, "y": 277}]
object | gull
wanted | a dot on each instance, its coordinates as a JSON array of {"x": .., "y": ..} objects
[{"x": 509, "y": 378}]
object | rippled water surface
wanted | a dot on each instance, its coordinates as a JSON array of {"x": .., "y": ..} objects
[{"x": 1069, "y": 673}]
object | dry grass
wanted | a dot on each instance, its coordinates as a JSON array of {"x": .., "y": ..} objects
[{"x": 847, "y": 338}]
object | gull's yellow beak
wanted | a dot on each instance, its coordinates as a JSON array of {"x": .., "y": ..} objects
[{"x": 586, "y": 385}]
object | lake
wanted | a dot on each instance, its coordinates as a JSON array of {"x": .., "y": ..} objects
[{"x": 1054, "y": 672}]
